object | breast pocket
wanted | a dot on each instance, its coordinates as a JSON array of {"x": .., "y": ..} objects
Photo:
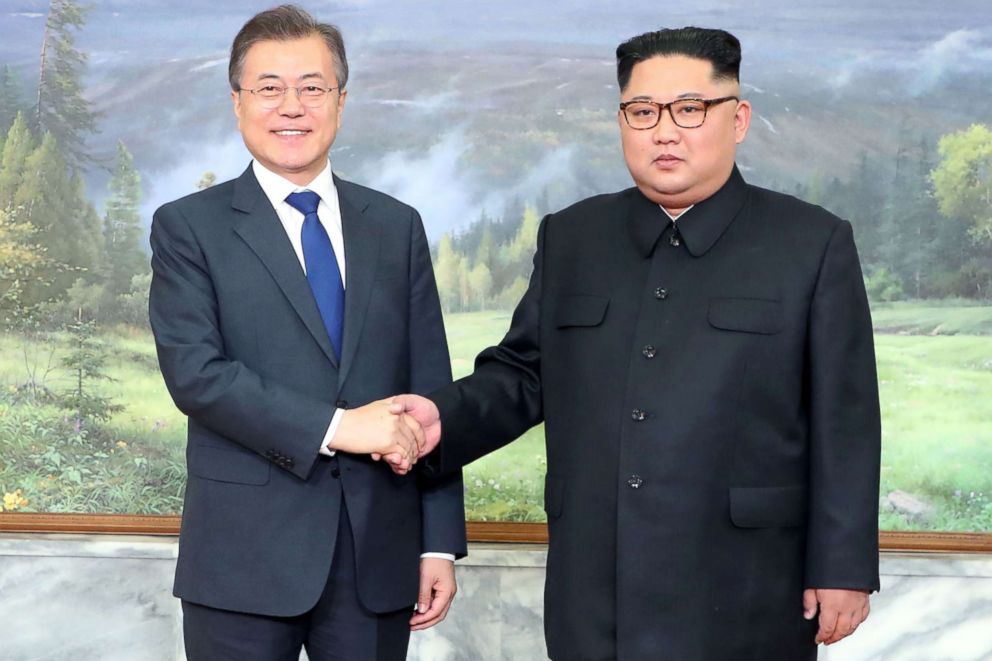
[
  {"x": 746, "y": 315},
  {"x": 580, "y": 310}
]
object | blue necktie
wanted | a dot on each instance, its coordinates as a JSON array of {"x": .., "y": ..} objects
[{"x": 322, "y": 267}]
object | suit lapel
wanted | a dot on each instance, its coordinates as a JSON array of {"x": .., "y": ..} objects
[
  {"x": 261, "y": 230},
  {"x": 361, "y": 249}
]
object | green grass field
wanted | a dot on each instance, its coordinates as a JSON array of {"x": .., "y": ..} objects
[{"x": 935, "y": 374}]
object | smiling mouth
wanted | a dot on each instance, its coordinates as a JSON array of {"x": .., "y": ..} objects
[{"x": 288, "y": 132}]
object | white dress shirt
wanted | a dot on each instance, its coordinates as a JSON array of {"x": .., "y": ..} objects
[
  {"x": 674, "y": 218},
  {"x": 277, "y": 189}
]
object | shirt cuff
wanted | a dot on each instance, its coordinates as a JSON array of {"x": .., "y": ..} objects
[
  {"x": 331, "y": 430},
  {"x": 442, "y": 556}
]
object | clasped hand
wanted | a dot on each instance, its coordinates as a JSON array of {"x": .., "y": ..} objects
[{"x": 398, "y": 429}]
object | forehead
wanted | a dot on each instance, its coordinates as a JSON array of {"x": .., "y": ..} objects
[
  {"x": 670, "y": 76},
  {"x": 289, "y": 59}
]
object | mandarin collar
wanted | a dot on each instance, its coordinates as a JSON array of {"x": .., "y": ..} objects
[{"x": 699, "y": 227}]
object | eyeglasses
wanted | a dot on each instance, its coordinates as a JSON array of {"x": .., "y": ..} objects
[
  {"x": 271, "y": 96},
  {"x": 686, "y": 113}
]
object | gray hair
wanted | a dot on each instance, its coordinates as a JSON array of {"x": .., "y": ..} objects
[{"x": 285, "y": 23}]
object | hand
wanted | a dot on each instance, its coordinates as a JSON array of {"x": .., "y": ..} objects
[
  {"x": 841, "y": 611},
  {"x": 425, "y": 412},
  {"x": 374, "y": 429},
  {"x": 437, "y": 589}
]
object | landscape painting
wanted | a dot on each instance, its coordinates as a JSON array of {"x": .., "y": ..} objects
[{"x": 484, "y": 116}]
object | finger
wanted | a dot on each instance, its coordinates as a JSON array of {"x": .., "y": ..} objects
[
  {"x": 376, "y": 456},
  {"x": 399, "y": 404},
  {"x": 865, "y": 610},
  {"x": 433, "y": 614},
  {"x": 842, "y": 629},
  {"x": 828, "y": 624},
  {"x": 403, "y": 434},
  {"x": 396, "y": 463},
  {"x": 427, "y": 580},
  {"x": 418, "y": 432},
  {"x": 809, "y": 604},
  {"x": 401, "y": 465}
]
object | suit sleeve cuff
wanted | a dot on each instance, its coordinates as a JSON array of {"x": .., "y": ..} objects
[
  {"x": 331, "y": 430},
  {"x": 442, "y": 556}
]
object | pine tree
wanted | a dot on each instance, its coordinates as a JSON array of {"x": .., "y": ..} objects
[
  {"x": 21, "y": 258},
  {"x": 520, "y": 252},
  {"x": 446, "y": 270},
  {"x": 10, "y": 98},
  {"x": 480, "y": 282},
  {"x": 16, "y": 149},
  {"x": 53, "y": 202},
  {"x": 85, "y": 362},
  {"x": 124, "y": 259},
  {"x": 863, "y": 207},
  {"x": 60, "y": 108}
]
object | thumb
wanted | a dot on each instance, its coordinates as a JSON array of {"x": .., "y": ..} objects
[
  {"x": 809, "y": 603},
  {"x": 424, "y": 597},
  {"x": 398, "y": 404}
]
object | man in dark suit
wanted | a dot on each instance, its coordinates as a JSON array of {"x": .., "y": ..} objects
[
  {"x": 285, "y": 303},
  {"x": 700, "y": 351}
]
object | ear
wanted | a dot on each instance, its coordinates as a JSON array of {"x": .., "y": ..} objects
[
  {"x": 236, "y": 103},
  {"x": 342, "y": 95},
  {"x": 742, "y": 120}
]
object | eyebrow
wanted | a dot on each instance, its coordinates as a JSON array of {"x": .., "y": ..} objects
[
  {"x": 306, "y": 76},
  {"x": 684, "y": 95}
]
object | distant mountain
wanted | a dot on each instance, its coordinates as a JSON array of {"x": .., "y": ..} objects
[{"x": 458, "y": 107}]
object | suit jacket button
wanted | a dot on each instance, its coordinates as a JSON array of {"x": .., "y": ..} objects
[
  {"x": 660, "y": 293},
  {"x": 637, "y": 415},
  {"x": 288, "y": 462},
  {"x": 335, "y": 472},
  {"x": 635, "y": 482},
  {"x": 649, "y": 351}
]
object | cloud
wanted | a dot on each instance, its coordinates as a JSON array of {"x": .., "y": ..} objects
[
  {"x": 450, "y": 196},
  {"x": 226, "y": 160},
  {"x": 958, "y": 52},
  {"x": 433, "y": 182}
]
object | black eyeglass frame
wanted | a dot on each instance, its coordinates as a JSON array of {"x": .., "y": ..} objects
[{"x": 661, "y": 108}]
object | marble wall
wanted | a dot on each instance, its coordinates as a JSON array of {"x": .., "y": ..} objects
[{"x": 105, "y": 598}]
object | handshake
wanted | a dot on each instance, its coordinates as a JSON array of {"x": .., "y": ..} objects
[{"x": 399, "y": 430}]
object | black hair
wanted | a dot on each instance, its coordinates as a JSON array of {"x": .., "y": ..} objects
[{"x": 718, "y": 47}]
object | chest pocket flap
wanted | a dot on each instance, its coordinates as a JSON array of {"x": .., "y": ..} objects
[
  {"x": 580, "y": 310},
  {"x": 748, "y": 315}
]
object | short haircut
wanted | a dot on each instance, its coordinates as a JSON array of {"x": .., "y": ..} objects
[
  {"x": 718, "y": 47},
  {"x": 285, "y": 23}
]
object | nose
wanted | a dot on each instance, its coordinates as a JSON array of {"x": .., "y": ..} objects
[
  {"x": 666, "y": 130},
  {"x": 291, "y": 106}
]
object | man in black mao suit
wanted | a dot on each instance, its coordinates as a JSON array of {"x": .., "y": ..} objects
[
  {"x": 700, "y": 351},
  {"x": 285, "y": 303}
]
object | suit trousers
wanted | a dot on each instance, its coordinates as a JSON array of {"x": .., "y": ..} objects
[{"x": 337, "y": 628}]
